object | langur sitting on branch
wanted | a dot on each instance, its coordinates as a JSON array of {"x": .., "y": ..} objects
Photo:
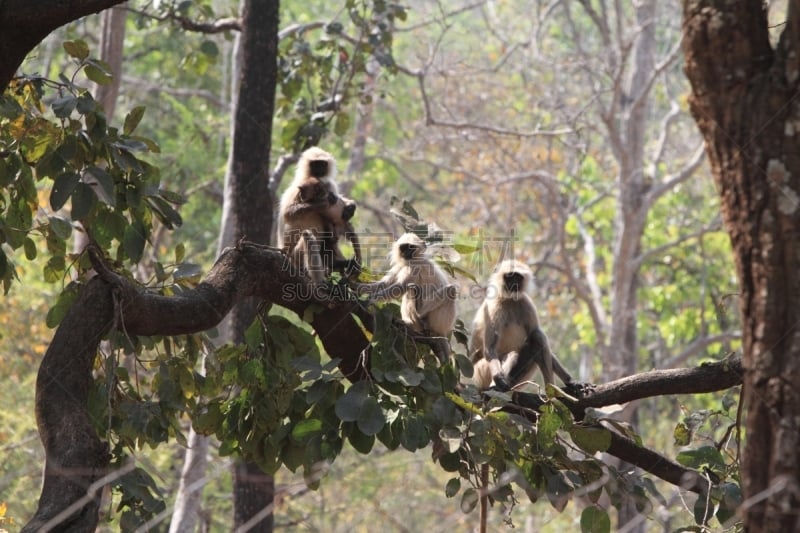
[{"x": 428, "y": 299}]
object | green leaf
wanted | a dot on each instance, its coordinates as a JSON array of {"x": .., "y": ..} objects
[
  {"x": 703, "y": 456},
  {"x": 54, "y": 269},
  {"x": 132, "y": 119},
  {"x": 165, "y": 213},
  {"x": 729, "y": 503},
  {"x": 209, "y": 48},
  {"x": 3, "y": 263},
  {"x": 133, "y": 241},
  {"x": 348, "y": 407},
  {"x": 341, "y": 124},
  {"x": 97, "y": 73},
  {"x": 180, "y": 252},
  {"x": 452, "y": 487},
  {"x": 360, "y": 442},
  {"x": 30, "y": 250},
  {"x": 591, "y": 439},
  {"x": 549, "y": 423},
  {"x": 105, "y": 182},
  {"x": 60, "y": 226},
  {"x": 63, "y": 186},
  {"x": 595, "y": 520},
  {"x": 306, "y": 428},
  {"x": 682, "y": 435},
  {"x": 469, "y": 500},
  {"x": 9, "y": 107},
  {"x": 64, "y": 106},
  {"x": 77, "y": 49},
  {"x": 83, "y": 198},
  {"x": 370, "y": 419},
  {"x": 703, "y": 510}
]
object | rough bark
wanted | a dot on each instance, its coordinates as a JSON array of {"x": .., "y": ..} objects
[
  {"x": 24, "y": 23},
  {"x": 251, "y": 202},
  {"x": 744, "y": 101},
  {"x": 75, "y": 456}
]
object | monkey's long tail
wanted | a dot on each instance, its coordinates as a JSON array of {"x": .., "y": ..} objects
[{"x": 484, "y": 497}]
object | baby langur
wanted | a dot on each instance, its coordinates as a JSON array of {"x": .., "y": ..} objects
[
  {"x": 428, "y": 304},
  {"x": 507, "y": 344},
  {"x": 313, "y": 216}
]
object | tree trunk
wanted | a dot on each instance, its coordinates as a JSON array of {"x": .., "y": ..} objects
[
  {"x": 250, "y": 200},
  {"x": 111, "y": 46},
  {"x": 623, "y": 345},
  {"x": 744, "y": 101}
]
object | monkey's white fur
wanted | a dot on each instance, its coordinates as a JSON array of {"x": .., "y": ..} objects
[{"x": 428, "y": 304}]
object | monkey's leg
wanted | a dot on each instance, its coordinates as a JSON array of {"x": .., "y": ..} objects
[
  {"x": 307, "y": 254},
  {"x": 536, "y": 351}
]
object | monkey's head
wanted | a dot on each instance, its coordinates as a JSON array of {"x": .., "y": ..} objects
[
  {"x": 409, "y": 246},
  {"x": 317, "y": 163},
  {"x": 512, "y": 278}
]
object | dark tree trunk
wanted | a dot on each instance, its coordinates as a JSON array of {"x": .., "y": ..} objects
[
  {"x": 249, "y": 206},
  {"x": 744, "y": 99},
  {"x": 23, "y": 24}
]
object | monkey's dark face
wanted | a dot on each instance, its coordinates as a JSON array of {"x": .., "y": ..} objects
[
  {"x": 318, "y": 168},
  {"x": 408, "y": 251},
  {"x": 513, "y": 281}
]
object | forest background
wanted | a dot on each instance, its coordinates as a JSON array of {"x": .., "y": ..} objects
[{"x": 564, "y": 133}]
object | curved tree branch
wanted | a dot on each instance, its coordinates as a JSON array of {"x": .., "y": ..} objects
[
  {"x": 708, "y": 377},
  {"x": 23, "y": 24},
  {"x": 75, "y": 456}
]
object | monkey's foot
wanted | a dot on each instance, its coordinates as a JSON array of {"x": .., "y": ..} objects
[{"x": 579, "y": 389}]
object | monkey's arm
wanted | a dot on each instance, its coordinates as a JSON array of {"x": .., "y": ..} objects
[{"x": 491, "y": 337}]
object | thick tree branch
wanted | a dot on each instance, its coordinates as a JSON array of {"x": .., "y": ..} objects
[
  {"x": 24, "y": 23},
  {"x": 708, "y": 377},
  {"x": 75, "y": 455}
]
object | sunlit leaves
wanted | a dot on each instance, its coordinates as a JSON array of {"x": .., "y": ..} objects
[
  {"x": 591, "y": 439},
  {"x": 321, "y": 73},
  {"x": 77, "y": 49},
  {"x": 132, "y": 119}
]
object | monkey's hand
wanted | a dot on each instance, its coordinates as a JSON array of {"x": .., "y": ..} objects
[{"x": 500, "y": 384}]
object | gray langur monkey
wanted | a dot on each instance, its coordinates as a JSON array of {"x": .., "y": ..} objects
[
  {"x": 428, "y": 304},
  {"x": 507, "y": 343},
  {"x": 313, "y": 217}
]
